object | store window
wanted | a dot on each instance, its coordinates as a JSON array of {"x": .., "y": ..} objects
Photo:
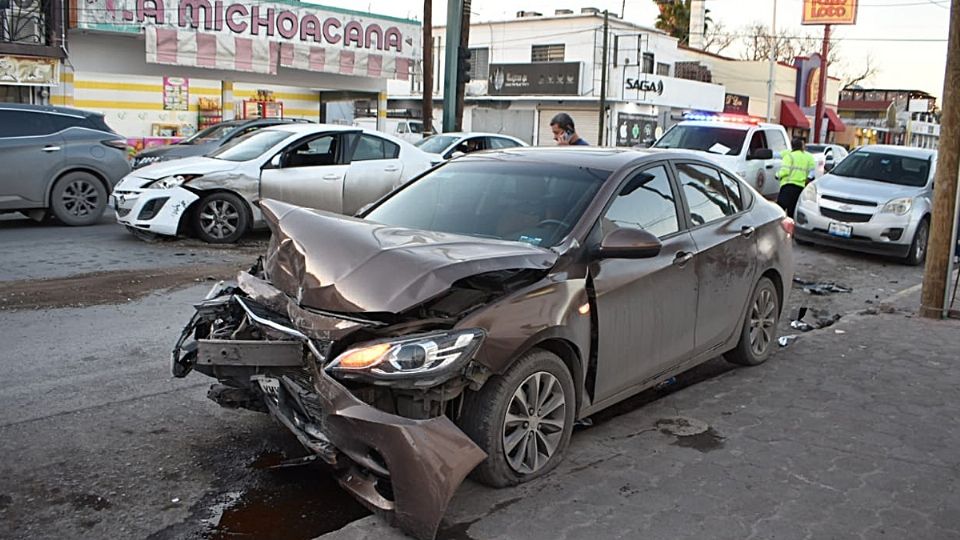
[
  {"x": 663, "y": 69},
  {"x": 16, "y": 94},
  {"x": 547, "y": 53},
  {"x": 479, "y": 63}
]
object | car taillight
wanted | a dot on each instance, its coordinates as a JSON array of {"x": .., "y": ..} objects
[
  {"x": 788, "y": 225},
  {"x": 119, "y": 144}
]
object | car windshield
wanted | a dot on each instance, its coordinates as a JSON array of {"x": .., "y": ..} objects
[
  {"x": 717, "y": 140},
  {"x": 536, "y": 203},
  {"x": 211, "y": 133},
  {"x": 436, "y": 144},
  {"x": 416, "y": 127},
  {"x": 889, "y": 168},
  {"x": 249, "y": 146}
]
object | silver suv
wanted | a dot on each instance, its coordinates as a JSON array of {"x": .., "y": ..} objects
[{"x": 58, "y": 160}]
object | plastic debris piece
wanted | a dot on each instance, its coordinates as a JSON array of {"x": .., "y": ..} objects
[
  {"x": 786, "y": 341},
  {"x": 801, "y": 326},
  {"x": 840, "y": 331}
]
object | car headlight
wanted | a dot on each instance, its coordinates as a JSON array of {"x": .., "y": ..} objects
[
  {"x": 809, "y": 193},
  {"x": 899, "y": 207},
  {"x": 168, "y": 182},
  {"x": 427, "y": 355}
]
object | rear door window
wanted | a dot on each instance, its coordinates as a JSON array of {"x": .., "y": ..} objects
[
  {"x": 97, "y": 122},
  {"x": 706, "y": 194},
  {"x": 371, "y": 147},
  {"x": 24, "y": 124},
  {"x": 497, "y": 143}
]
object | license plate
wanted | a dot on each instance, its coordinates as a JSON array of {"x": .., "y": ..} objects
[
  {"x": 841, "y": 230},
  {"x": 270, "y": 386}
]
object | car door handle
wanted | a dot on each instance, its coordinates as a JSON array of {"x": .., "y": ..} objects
[
  {"x": 51, "y": 148},
  {"x": 770, "y": 166},
  {"x": 747, "y": 231},
  {"x": 682, "y": 258},
  {"x": 331, "y": 176},
  {"x": 391, "y": 168}
]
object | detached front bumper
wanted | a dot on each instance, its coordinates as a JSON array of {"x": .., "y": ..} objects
[
  {"x": 154, "y": 210},
  {"x": 404, "y": 468}
]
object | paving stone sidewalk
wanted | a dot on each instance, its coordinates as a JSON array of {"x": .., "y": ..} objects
[{"x": 851, "y": 432}]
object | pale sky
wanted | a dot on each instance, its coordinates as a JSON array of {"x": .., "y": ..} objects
[{"x": 902, "y": 64}]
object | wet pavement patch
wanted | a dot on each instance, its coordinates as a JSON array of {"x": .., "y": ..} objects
[
  {"x": 291, "y": 503},
  {"x": 5, "y": 502},
  {"x": 691, "y": 433}
]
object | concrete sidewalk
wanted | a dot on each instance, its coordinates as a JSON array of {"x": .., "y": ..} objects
[{"x": 851, "y": 432}]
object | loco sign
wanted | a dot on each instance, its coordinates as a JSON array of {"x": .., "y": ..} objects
[
  {"x": 829, "y": 12},
  {"x": 645, "y": 86}
]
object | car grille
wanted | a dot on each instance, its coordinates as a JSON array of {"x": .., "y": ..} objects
[
  {"x": 847, "y": 217},
  {"x": 848, "y": 201}
]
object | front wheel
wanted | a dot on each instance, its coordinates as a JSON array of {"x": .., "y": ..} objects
[
  {"x": 759, "y": 332},
  {"x": 522, "y": 420},
  {"x": 221, "y": 218},
  {"x": 918, "y": 247}
]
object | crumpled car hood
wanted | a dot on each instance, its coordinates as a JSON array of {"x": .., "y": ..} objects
[
  {"x": 347, "y": 265},
  {"x": 190, "y": 165}
]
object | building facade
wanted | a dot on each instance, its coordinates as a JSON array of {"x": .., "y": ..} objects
[
  {"x": 527, "y": 69},
  {"x": 890, "y": 116},
  {"x": 31, "y": 49},
  {"x": 166, "y": 68}
]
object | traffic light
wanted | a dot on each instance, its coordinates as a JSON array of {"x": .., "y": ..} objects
[{"x": 463, "y": 66}]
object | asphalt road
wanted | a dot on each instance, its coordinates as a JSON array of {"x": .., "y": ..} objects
[{"x": 100, "y": 442}]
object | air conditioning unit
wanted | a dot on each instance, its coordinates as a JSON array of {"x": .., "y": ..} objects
[{"x": 25, "y": 22}]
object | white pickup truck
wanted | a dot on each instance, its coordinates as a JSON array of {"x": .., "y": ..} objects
[
  {"x": 751, "y": 149},
  {"x": 401, "y": 128}
]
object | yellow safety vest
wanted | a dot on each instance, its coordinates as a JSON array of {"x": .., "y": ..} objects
[{"x": 797, "y": 166}]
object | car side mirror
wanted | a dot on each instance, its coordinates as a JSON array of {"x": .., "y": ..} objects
[
  {"x": 761, "y": 153},
  {"x": 629, "y": 244},
  {"x": 457, "y": 154},
  {"x": 828, "y": 166}
]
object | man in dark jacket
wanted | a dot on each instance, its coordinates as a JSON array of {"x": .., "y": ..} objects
[{"x": 564, "y": 132}]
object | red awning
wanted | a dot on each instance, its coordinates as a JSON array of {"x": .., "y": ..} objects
[
  {"x": 791, "y": 116},
  {"x": 834, "y": 123}
]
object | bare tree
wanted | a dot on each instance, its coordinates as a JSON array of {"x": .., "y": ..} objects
[
  {"x": 787, "y": 44},
  {"x": 716, "y": 39},
  {"x": 860, "y": 73}
]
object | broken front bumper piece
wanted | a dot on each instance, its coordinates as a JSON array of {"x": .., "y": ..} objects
[{"x": 405, "y": 469}]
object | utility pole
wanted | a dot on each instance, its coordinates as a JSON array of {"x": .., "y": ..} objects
[
  {"x": 426, "y": 111},
  {"x": 822, "y": 91},
  {"x": 940, "y": 251},
  {"x": 603, "y": 77},
  {"x": 771, "y": 80},
  {"x": 451, "y": 63},
  {"x": 464, "y": 46}
]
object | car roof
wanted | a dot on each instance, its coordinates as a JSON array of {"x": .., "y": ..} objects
[
  {"x": 474, "y": 134},
  {"x": 742, "y": 126},
  {"x": 899, "y": 150},
  {"x": 48, "y": 109},
  {"x": 602, "y": 158}
]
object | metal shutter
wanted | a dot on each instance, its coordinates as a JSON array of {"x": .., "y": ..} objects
[{"x": 586, "y": 120}]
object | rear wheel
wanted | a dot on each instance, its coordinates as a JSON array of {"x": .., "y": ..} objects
[
  {"x": 918, "y": 248},
  {"x": 522, "y": 420},
  {"x": 78, "y": 199},
  {"x": 759, "y": 332},
  {"x": 221, "y": 218}
]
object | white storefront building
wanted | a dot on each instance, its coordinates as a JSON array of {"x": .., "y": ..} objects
[{"x": 526, "y": 70}]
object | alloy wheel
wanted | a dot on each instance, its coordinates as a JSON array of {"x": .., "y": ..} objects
[
  {"x": 534, "y": 422},
  {"x": 922, "y": 236},
  {"x": 80, "y": 198},
  {"x": 219, "y": 218},
  {"x": 763, "y": 321}
]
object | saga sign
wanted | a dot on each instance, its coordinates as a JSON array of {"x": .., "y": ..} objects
[
  {"x": 645, "y": 86},
  {"x": 829, "y": 12}
]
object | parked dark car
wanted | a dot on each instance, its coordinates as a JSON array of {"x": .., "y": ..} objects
[
  {"x": 58, "y": 160},
  {"x": 206, "y": 140},
  {"x": 468, "y": 319}
]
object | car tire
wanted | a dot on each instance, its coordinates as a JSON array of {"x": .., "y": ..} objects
[
  {"x": 918, "y": 247},
  {"x": 758, "y": 337},
  {"x": 484, "y": 419},
  {"x": 220, "y": 218},
  {"x": 78, "y": 199}
]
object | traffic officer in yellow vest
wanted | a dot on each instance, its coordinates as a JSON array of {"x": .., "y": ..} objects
[{"x": 796, "y": 169}]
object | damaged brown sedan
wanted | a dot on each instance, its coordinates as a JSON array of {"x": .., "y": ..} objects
[{"x": 467, "y": 320}]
